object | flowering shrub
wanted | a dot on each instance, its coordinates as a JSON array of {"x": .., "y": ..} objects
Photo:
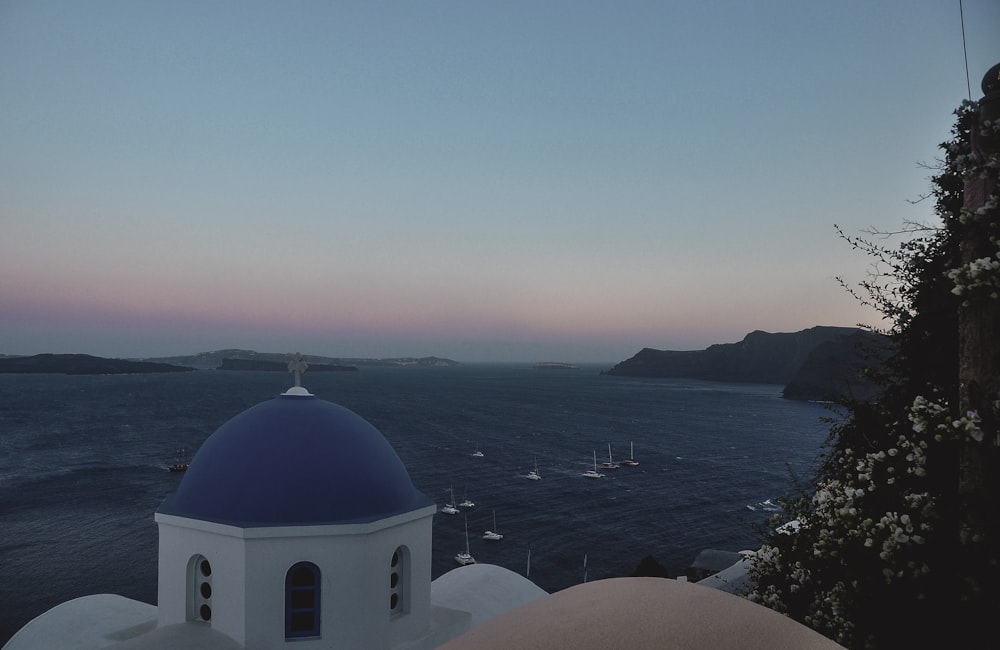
[
  {"x": 874, "y": 553},
  {"x": 979, "y": 277},
  {"x": 851, "y": 535}
]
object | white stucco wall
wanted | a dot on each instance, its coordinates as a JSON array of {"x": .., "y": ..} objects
[{"x": 249, "y": 566}]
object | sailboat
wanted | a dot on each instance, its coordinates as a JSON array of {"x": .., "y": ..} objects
[
  {"x": 609, "y": 463},
  {"x": 492, "y": 534},
  {"x": 477, "y": 453},
  {"x": 593, "y": 473},
  {"x": 180, "y": 463},
  {"x": 449, "y": 508},
  {"x": 466, "y": 503},
  {"x": 533, "y": 474},
  {"x": 630, "y": 461},
  {"x": 465, "y": 558}
]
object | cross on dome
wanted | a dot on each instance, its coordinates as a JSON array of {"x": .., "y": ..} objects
[{"x": 298, "y": 366}]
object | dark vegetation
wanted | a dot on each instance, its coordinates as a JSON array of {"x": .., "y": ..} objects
[{"x": 889, "y": 552}]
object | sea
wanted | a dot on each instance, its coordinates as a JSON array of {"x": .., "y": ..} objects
[{"x": 83, "y": 467}]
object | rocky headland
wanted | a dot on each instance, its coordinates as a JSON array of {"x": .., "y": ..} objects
[{"x": 819, "y": 363}]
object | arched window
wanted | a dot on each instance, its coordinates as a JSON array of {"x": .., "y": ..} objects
[
  {"x": 399, "y": 582},
  {"x": 199, "y": 589},
  {"x": 302, "y": 591}
]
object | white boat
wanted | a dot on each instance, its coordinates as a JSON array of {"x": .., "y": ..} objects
[
  {"x": 492, "y": 534},
  {"x": 449, "y": 508},
  {"x": 533, "y": 474},
  {"x": 609, "y": 463},
  {"x": 477, "y": 453},
  {"x": 630, "y": 461},
  {"x": 593, "y": 473},
  {"x": 180, "y": 463},
  {"x": 465, "y": 558},
  {"x": 466, "y": 503}
]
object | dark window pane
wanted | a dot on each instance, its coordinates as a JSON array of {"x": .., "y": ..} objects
[
  {"x": 303, "y": 621},
  {"x": 206, "y": 590},
  {"x": 205, "y": 612},
  {"x": 303, "y": 599},
  {"x": 303, "y": 577}
]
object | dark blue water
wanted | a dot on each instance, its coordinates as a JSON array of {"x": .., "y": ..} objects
[{"x": 82, "y": 466}]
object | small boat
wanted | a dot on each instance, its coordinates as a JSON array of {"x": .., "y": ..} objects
[
  {"x": 630, "y": 461},
  {"x": 767, "y": 506},
  {"x": 179, "y": 464},
  {"x": 465, "y": 558},
  {"x": 533, "y": 474},
  {"x": 477, "y": 453},
  {"x": 593, "y": 473},
  {"x": 449, "y": 508},
  {"x": 492, "y": 534},
  {"x": 609, "y": 463},
  {"x": 466, "y": 503}
]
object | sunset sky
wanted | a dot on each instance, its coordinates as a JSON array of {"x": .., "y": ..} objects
[{"x": 485, "y": 181}]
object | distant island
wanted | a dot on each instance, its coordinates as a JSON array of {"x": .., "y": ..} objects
[
  {"x": 83, "y": 364},
  {"x": 231, "y": 359},
  {"x": 264, "y": 364},
  {"x": 215, "y": 359},
  {"x": 821, "y": 363},
  {"x": 555, "y": 365}
]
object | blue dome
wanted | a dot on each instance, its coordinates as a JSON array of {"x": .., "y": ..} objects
[{"x": 295, "y": 460}]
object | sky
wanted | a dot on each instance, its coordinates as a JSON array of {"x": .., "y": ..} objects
[{"x": 483, "y": 181}]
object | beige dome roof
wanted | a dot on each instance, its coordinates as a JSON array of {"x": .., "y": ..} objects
[{"x": 642, "y": 613}]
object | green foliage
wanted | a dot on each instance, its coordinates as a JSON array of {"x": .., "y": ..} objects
[{"x": 873, "y": 556}]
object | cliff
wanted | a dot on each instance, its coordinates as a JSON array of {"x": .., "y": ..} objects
[
  {"x": 840, "y": 369},
  {"x": 817, "y": 363},
  {"x": 82, "y": 364}
]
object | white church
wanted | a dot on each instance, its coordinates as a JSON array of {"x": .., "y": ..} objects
[{"x": 297, "y": 526}]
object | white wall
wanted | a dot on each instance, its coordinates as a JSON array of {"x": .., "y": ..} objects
[{"x": 249, "y": 568}]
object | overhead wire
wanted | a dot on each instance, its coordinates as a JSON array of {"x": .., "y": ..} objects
[{"x": 965, "y": 50}]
